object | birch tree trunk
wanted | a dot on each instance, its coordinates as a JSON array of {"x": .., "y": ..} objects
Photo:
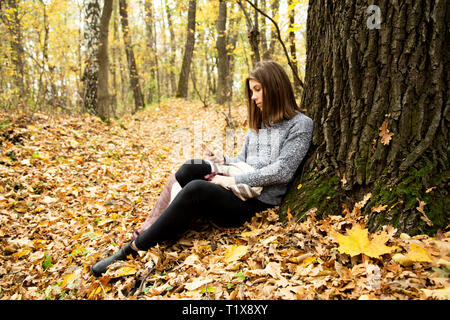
[
  {"x": 376, "y": 86},
  {"x": 91, "y": 38}
]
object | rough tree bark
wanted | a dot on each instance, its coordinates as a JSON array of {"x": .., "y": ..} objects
[
  {"x": 183, "y": 81},
  {"x": 363, "y": 73}
]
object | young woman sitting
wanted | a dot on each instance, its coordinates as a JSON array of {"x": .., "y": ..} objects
[{"x": 278, "y": 139}]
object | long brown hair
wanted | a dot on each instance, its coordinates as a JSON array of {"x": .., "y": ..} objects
[{"x": 278, "y": 96}]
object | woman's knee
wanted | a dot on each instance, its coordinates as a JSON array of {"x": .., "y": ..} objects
[
  {"x": 197, "y": 187},
  {"x": 198, "y": 193},
  {"x": 190, "y": 170}
]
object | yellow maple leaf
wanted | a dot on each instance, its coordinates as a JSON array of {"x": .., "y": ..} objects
[
  {"x": 234, "y": 253},
  {"x": 357, "y": 242},
  {"x": 377, "y": 247}
]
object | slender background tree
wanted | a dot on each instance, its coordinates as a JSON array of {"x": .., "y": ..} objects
[
  {"x": 103, "y": 107},
  {"x": 92, "y": 14},
  {"x": 183, "y": 82}
]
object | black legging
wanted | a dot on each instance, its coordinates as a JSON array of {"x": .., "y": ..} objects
[{"x": 198, "y": 198}]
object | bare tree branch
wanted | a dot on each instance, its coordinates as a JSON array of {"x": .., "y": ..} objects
[{"x": 281, "y": 41}]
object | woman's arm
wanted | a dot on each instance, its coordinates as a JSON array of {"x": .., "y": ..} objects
[
  {"x": 282, "y": 170},
  {"x": 242, "y": 155}
]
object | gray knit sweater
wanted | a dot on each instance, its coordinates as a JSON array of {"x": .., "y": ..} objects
[{"x": 275, "y": 152}]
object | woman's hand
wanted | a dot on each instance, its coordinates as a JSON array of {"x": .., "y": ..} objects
[
  {"x": 223, "y": 181},
  {"x": 215, "y": 156}
]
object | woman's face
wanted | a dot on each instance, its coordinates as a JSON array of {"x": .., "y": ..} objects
[{"x": 257, "y": 92}]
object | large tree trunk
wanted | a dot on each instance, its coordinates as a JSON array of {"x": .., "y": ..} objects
[
  {"x": 183, "y": 82},
  {"x": 367, "y": 81},
  {"x": 132, "y": 67}
]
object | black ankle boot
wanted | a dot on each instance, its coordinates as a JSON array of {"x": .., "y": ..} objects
[{"x": 100, "y": 267}]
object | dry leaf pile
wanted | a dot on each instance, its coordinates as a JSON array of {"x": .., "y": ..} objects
[{"x": 73, "y": 189}]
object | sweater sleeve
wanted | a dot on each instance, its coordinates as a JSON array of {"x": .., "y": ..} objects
[
  {"x": 292, "y": 152},
  {"x": 242, "y": 155}
]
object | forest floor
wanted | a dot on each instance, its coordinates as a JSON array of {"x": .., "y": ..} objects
[{"x": 73, "y": 189}]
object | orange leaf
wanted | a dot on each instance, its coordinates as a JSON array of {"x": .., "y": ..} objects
[
  {"x": 385, "y": 135},
  {"x": 379, "y": 208}
]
